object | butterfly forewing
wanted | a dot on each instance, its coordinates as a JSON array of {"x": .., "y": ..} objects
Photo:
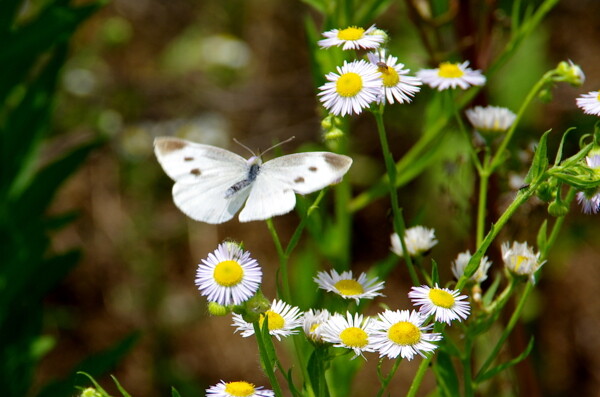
[
  {"x": 202, "y": 175},
  {"x": 306, "y": 172}
]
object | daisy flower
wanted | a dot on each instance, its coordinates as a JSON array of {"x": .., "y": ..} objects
[
  {"x": 590, "y": 200},
  {"x": 356, "y": 85},
  {"x": 347, "y": 287},
  {"x": 461, "y": 262},
  {"x": 520, "y": 260},
  {"x": 445, "y": 304},
  {"x": 228, "y": 276},
  {"x": 396, "y": 85},
  {"x": 401, "y": 333},
  {"x": 590, "y": 103},
  {"x": 313, "y": 320},
  {"x": 353, "y": 38},
  {"x": 451, "y": 75},
  {"x": 349, "y": 332},
  {"x": 237, "y": 389},
  {"x": 418, "y": 241},
  {"x": 490, "y": 120},
  {"x": 284, "y": 320}
]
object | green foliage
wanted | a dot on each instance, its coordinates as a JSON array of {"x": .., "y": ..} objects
[{"x": 33, "y": 52}]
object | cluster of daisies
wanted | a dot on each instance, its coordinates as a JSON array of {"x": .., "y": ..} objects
[
  {"x": 519, "y": 259},
  {"x": 230, "y": 277},
  {"x": 381, "y": 78}
]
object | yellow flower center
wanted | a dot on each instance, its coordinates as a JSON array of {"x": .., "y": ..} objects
[
  {"x": 389, "y": 76},
  {"x": 240, "y": 389},
  {"x": 598, "y": 97},
  {"x": 349, "y": 84},
  {"x": 275, "y": 320},
  {"x": 441, "y": 298},
  {"x": 349, "y": 287},
  {"x": 228, "y": 273},
  {"x": 351, "y": 33},
  {"x": 314, "y": 327},
  {"x": 449, "y": 70},
  {"x": 519, "y": 260},
  {"x": 354, "y": 337},
  {"x": 404, "y": 333}
]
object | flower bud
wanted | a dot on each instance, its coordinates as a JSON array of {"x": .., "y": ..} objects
[
  {"x": 570, "y": 73},
  {"x": 90, "y": 392},
  {"x": 217, "y": 310},
  {"x": 558, "y": 208}
]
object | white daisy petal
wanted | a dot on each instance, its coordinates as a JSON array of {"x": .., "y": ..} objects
[
  {"x": 350, "y": 332},
  {"x": 401, "y": 333},
  {"x": 461, "y": 262},
  {"x": 352, "y": 38},
  {"x": 347, "y": 287},
  {"x": 237, "y": 389},
  {"x": 313, "y": 320},
  {"x": 451, "y": 75},
  {"x": 228, "y": 276},
  {"x": 356, "y": 85},
  {"x": 491, "y": 119},
  {"x": 396, "y": 85},
  {"x": 418, "y": 240},
  {"x": 445, "y": 304},
  {"x": 284, "y": 320},
  {"x": 590, "y": 103}
]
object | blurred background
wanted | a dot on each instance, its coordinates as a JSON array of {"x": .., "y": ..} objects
[{"x": 211, "y": 71}]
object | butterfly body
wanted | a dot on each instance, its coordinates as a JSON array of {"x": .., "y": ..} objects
[{"x": 212, "y": 184}]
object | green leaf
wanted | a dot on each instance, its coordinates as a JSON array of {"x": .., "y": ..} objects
[
  {"x": 446, "y": 374},
  {"x": 317, "y": 5},
  {"x": 38, "y": 195},
  {"x": 94, "y": 365},
  {"x": 96, "y": 384},
  {"x": 435, "y": 276},
  {"x": 22, "y": 129},
  {"x": 561, "y": 146},
  {"x": 318, "y": 363},
  {"x": 174, "y": 392},
  {"x": 491, "y": 291},
  {"x": 55, "y": 24},
  {"x": 542, "y": 236},
  {"x": 494, "y": 371},
  {"x": 540, "y": 160},
  {"x": 119, "y": 387}
]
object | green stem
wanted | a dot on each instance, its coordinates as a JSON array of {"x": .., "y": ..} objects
[
  {"x": 284, "y": 292},
  {"x": 399, "y": 226},
  {"x": 266, "y": 360},
  {"x": 522, "y": 197},
  {"x": 499, "y": 156},
  {"x": 484, "y": 177},
  {"x": 507, "y": 330},
  {"x": 386, "y": 381},
  {"x": 416, "y": 383}
]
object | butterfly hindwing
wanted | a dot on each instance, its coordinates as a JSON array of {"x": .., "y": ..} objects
[{"x": 202, "y": 175}]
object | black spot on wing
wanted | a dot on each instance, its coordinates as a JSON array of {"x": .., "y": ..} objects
[
  {"x": 168, "y": 145},
  {"x": 312, "y": 168},
  {"x": 188, "y": 159},
  {"x": 196, "y": 171},
  {"x": 299, "y": 180}
]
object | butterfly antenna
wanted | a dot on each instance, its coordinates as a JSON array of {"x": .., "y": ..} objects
[
  {"x": 244, "y": 146},
  {"x": 278, "y": 144}
]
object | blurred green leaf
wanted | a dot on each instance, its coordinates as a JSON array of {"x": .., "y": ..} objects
[
  {"x": 446, "y": 374},
  {"x": 41, "y": 190},
  {"x": 174, "y": 392}
]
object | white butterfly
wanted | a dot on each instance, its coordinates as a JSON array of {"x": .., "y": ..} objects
[{"x": 212, "y": 184}]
